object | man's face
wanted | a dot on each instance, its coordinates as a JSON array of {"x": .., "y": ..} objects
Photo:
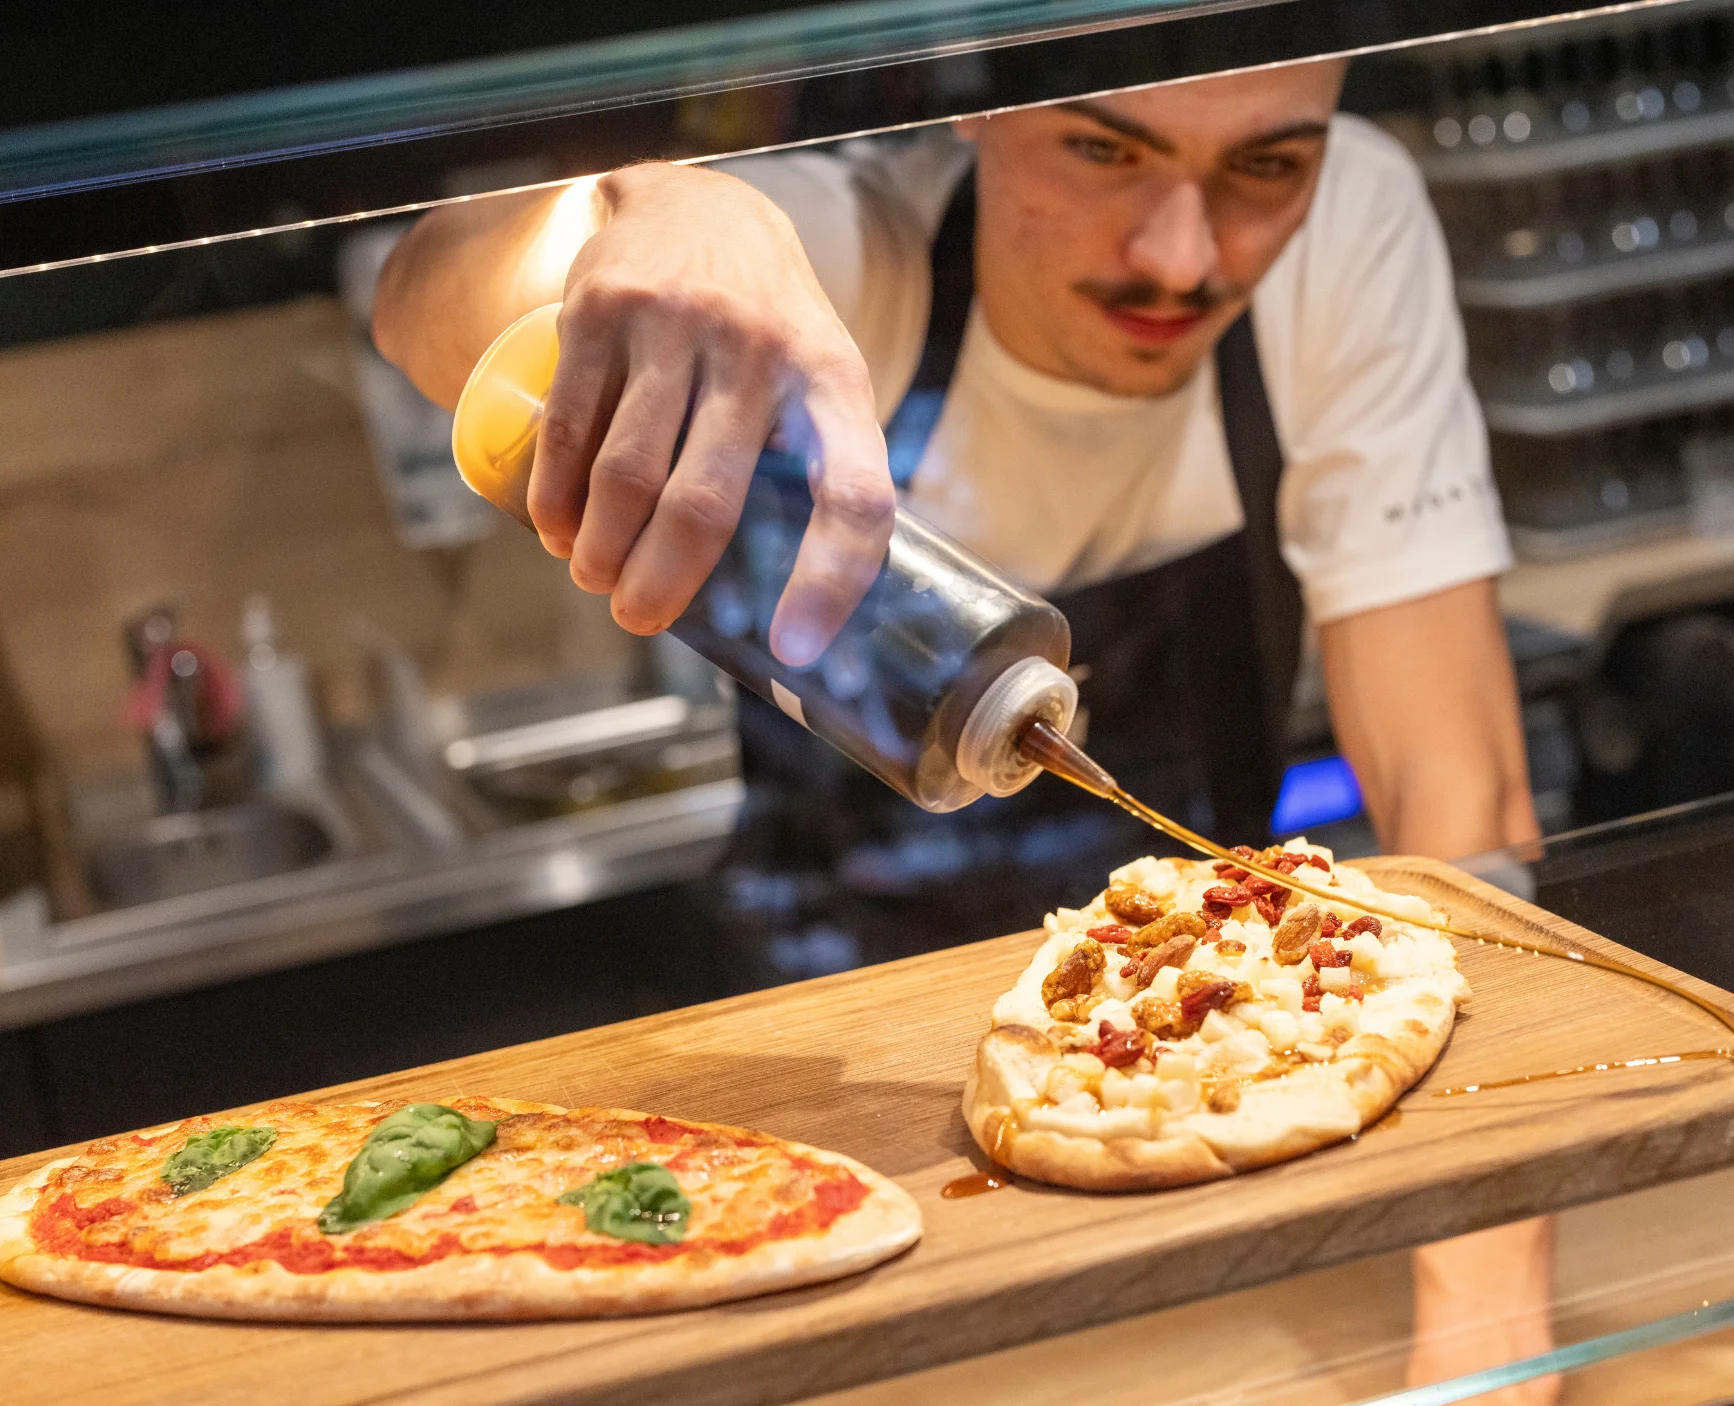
[{"x": 1120, "y": 236}]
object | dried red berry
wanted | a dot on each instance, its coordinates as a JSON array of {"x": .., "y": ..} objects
[
  {"x": 1318, "y": 861},
  {"x": 1311, "y": 994},
  {"x": 1368, "y": 923},
  {"x": 1324, "y": 955},
  {"x": 1111, "y": 934},
  {"x": 1229, "y": 895},
  {"x": 1118, "y": 1048},
  {"x": 1209, "y": 993},
  {"x": 1270, "y": 909},
  {"x": 1329, "y": 924},
  {"x": 1230, "y": 873}
]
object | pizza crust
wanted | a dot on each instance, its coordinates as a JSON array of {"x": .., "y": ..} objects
[
  {"x": 470, "y": 1286},
  {"x": 1281, "y": 1118}
]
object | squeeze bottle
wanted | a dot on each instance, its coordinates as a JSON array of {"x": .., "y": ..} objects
[{"x": 931, "y": 680}]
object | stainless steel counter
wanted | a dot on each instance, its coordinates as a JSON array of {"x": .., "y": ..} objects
[{"x": 48, "y": 970}]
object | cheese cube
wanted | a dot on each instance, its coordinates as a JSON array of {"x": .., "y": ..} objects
[
  {"x": 1366, "y": 950},
  {"x": 1218, "y": 1026},
  {"x": 1175, "y": 1065},
  {"x": 1336, "y": 979},
  {"x": 1285, "y": 991},
  {"x": 1280, "y": 1027}
]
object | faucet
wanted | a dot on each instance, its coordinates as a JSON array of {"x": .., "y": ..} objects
[{"x": 187, "y": 707}]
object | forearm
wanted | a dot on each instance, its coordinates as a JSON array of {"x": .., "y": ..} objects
[
  {"x": 1448, "y": 810},
  {"x": 1424, "y": 702},
  {"x": 466, "y": 272}
]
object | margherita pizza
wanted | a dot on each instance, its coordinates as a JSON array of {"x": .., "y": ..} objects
[
  {"x": 480, "y": 1208},
  {"x": 1196, "y": 1020}
]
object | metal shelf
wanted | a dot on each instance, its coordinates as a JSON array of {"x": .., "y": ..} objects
[
  {"x": 1576, "y": 283},
  {"x": 1555, "y": 154},
  {"x": 1650, "y": 399}
]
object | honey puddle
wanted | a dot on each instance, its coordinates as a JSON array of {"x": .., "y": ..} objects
[
  {"x": 976, "y": 1183},
  {"x": 1384, "y": 1125},
  {"x": 992, "y": 1178}
]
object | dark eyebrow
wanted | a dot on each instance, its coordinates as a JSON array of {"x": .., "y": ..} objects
[
  {"x": 1293, "y": 131},
  {"x": 1307, "y": 129},
  {"x": 1114, "y": 122}
]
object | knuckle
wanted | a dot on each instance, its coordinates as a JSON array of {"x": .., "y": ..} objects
[
  {"x": 560, "y": 434},
  {"x": 763, "y": 338},
  {"x": 861, "y": 504},
  {"x": 605, "y": 295},
  {"x": 702, "y": 509},
  {"x": 631, "y": 472},
  {"x": 842, "y": 369}
]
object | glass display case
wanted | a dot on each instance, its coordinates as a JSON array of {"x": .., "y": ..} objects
[{"x": 216, "y": 489}]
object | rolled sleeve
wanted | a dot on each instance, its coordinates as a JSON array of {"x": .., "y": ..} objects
[{"x": 1388, "y": 494}]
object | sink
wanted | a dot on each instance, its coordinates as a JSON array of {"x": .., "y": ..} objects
[{"x": 173, "y": 855}]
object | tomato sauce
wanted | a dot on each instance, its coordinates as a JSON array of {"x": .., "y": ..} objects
[{"x": 58, "y": 1224}]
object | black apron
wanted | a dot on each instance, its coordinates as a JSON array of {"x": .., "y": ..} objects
[{"x": 1185, "y": 673}]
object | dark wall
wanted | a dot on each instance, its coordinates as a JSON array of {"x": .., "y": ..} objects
[{"x": 107, "y": 56}]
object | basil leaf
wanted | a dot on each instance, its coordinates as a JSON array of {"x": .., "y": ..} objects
[
  {"x": 411, "y": 1152},
  {"x": 206, "y": 1156},
  {"x": 640, "y": 1201}
]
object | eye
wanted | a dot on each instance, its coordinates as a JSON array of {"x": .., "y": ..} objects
[
  {"x": 1099, "y": 150},
  {"x": 1267, "y": 165}
]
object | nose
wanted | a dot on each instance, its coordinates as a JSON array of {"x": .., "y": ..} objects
[{"x": 1173, "y": 244}]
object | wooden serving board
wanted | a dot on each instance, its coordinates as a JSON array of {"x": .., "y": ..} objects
[{"x": 872, "y": 1063}]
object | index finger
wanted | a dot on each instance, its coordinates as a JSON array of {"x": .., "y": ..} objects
[{"x": 854, "y": 504}]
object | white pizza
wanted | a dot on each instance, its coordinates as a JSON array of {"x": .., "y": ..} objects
[{"x": 1196, "y": 1020}]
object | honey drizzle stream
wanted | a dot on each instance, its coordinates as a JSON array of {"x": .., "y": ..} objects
[
  {"x": 1051, "y": 749},
  {"x": 1646, "y": 1062}
]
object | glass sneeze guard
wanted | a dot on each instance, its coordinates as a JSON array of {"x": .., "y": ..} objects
[
  {"x": 252, "y": 159},
  {"x": 314, "y": 117}
]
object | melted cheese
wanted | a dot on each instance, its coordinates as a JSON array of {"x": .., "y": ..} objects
[{"x": 1404, "y": 963}]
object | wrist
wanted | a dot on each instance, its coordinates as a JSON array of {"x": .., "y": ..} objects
[{"x": 558, "y": 230}]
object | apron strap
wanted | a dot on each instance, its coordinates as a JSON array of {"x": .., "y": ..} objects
[
  {"x": 1257, "y": 458},
  {"x": 952, "y": 266}
]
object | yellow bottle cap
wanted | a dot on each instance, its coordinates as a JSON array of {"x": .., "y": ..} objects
[{"x": 494, "y": 428}]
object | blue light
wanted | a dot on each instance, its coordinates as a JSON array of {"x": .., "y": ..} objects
[{"x": 1315, "y": 793}]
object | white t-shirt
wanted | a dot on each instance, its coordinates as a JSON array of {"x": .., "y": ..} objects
[{"x": 1386, "y": 494}]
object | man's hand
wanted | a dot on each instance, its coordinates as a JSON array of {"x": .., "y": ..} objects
[{"x": 693, "y": 308}]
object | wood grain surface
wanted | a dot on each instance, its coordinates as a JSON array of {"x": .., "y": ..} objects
[{"x": 872, "y": 1063}]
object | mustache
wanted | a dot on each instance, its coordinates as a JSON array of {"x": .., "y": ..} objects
[{"x": 1141, "y": 293}]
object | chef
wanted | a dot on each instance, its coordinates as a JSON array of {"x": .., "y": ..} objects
[{"x": 1184, "y": 360}]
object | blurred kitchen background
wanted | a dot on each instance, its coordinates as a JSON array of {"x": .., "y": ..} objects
[{"x": 303, "y": 747}]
